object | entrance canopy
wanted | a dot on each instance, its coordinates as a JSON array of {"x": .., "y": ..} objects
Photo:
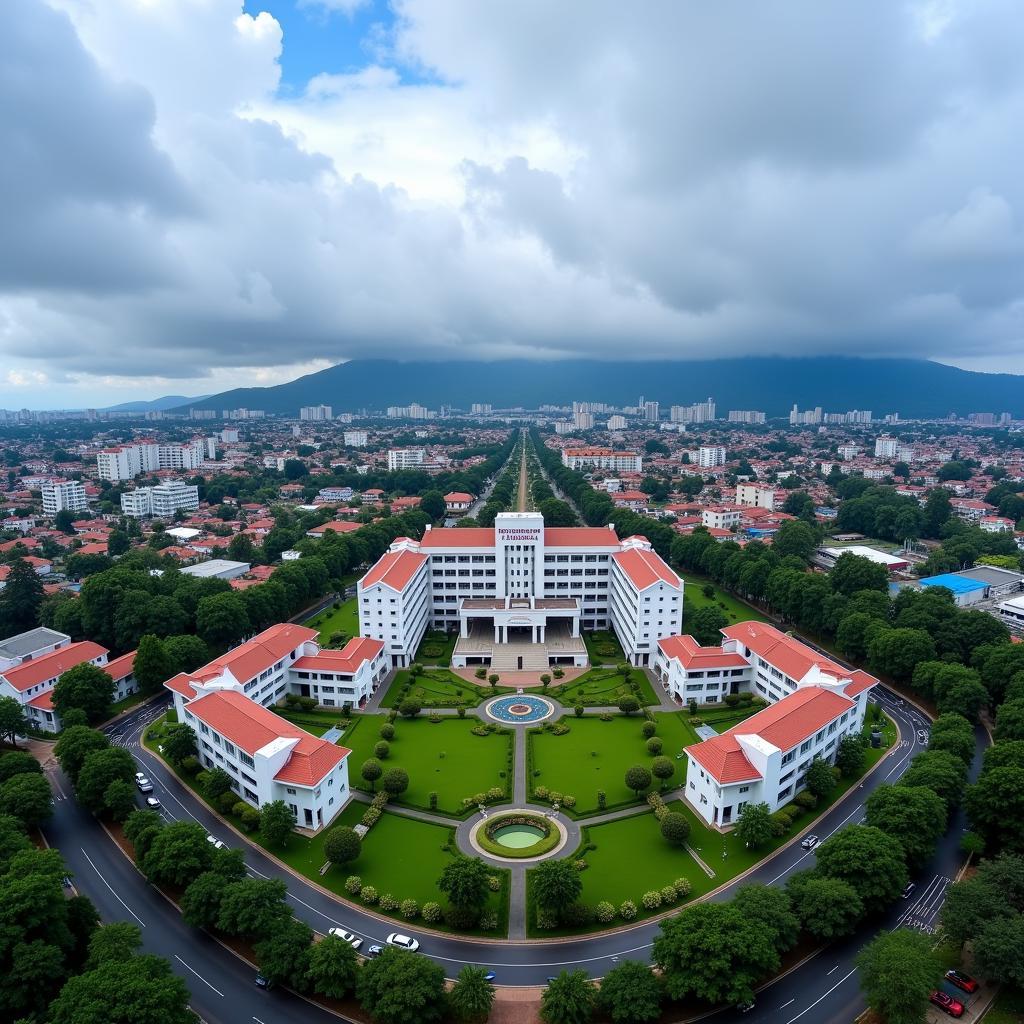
[{"x": 517, "y": 616}]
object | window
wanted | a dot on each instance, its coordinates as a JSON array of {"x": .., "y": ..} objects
[{"x": 246, "y": 759}]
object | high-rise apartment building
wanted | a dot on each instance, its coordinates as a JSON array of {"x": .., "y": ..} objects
[
  {"x": 63, "y": 496},
  {"x": 315, "y": 412}
]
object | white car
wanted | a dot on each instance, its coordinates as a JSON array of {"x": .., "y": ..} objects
[
  {"x": 403, "y": 941},
  {"x": 353, "y": 940},
  {"x": 922, "y": 736},
  {"x": 152, "y": 803},
  {"x": 139, "y": 776},
  {"x": 145, "y": 786},
  {"x": 215, "y": 842},
  {"x": 809, "y": 842}
]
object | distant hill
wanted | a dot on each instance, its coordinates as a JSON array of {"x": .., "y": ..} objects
[
  {"x": 156, "y": 404},
  {"x": 914, "y": 388}
]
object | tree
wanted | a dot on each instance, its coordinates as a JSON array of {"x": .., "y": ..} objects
[
  {"x": 995, "y": 808},
  {"x": 770, "y": 909},
  {"x": 896, "y": 652},
  {"x": 629, "y": 993},
  {"x": 342, "y": 845},
  {"x": 941, "y": 772},
  {"x": 398, "y": 986},
  {"x": 432, "y": 504},
  {"x": 21, "y": 598},
  {"x": 283, "y": 955},
  {"x": 87, "y": 687},
  {"x": 754, "y": 825},
  {"x": 177, "y": 854},
  {"x": 332, "y": 967},
  {"x": 999, "y": 951},
  {"x": 898, "y": 971},
  {"x": 638, "y": 779},
  {"x": 276, "y": 823},
  {"x": 1010, "y": 721},
  {"x": 13, "y": 839},
  {"x": 18, "y": 762},
  {"x": 215, "y": 783},
  {"x": 629, "y": 705},
  {"x": 675, "y": 828},
  {"x": 820, "y": 778},
  {"x": 705, "y": 625},
  {"x": 472, "y": 995},
  {"x": 852, "y": 634},
  {"x": 795, "y": 538},
  {"x": 33, "y": 974},
  {"x": 200, "y": 903},
  {"x": 12, "y": 720},
  {"x": 395, "y": 781},
  {"x": 112, "y": 943},
  {"x": 966, "y": 697},
  {"x": 869, "y": 859},
  {"x": 828, "y": 908},
  {"x": 101, "y": 768},
  {"x": 569, "y": 998},
  {"x": 76, "y": 743},
  {"x": 971, "y": 905},
  {"x": 119, "y": 799},
  {"x": 850, "y": 757},
  {"x": 27, "y": 798},
  {"x": 556, "y": 885},
  {"x": 464, "y": 882},
  {"x": 410, "y": 707},
  {"x": 221, "y": 619},
  {"x": 178, "y": 743},
  {"x": 852, "y": 573},
  {"x": 139, "y": 829},
  {"x": 253, "y": 907},
  {"x": 142, "y": 989},
  {"x": 371, "y": 771},
  {"x": 709, "y": 950},
  {"x": 152, "y": 666},
  {"x": 953, "y": 733},
  {"x": 186, "y": 653},
  {"x": 937, "y": 511}
]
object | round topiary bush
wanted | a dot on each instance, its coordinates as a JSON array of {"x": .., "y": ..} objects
[
  {"x": 432, "y": 913},
  {"x": 654, "y": 746},
  {"x": 682, "y": 887},
  {"x": 648, "y": 729},
  {"x": 651, "y": 900},
  {"x": 668, "y": 894},
  {"x": 389, "y": 903},
  {"x": 410, "y": 909},
  {"x": 387, "y": 731},
  {"x": 604, "y": 912},
  {"x": 353, "y": 885},
  {"x": 368, "y": 894},
  {"x": 628, "y": 910}
]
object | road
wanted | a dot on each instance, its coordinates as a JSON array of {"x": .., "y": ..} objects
[{"x": 824, "y": 990}]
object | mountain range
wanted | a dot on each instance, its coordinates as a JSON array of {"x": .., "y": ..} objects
[
  {"x": 156, "y": 404},
  {"x": 913, "y": 388}
]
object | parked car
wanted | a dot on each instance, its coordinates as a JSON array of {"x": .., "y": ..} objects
[
  {"x": 962, "y": 981},
  {"x": 140, "y": 776},
  {"x": 374, "y": 950},
  {"x": 403, "y": 941},
  {"x": 264, "y": 982},
  {"x": 215, "y": 842},
  {"x": 922, "y": 736},
  {"x": 810, "y": 842},
  {"x": 908, "y": 890},
  {"x": 947, "y": 1004},
  {"x": 353, "y": 940},
  {"x": 152, "y": 803},
  {"x": 745, "y": 1007},
  {"x": 145, "y": 786},
  {"x": 490, "y": 976}
]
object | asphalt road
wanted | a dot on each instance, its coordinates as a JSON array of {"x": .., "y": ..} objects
[{"x": 822, "y": 990}]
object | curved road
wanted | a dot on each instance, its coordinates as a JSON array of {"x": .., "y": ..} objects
[{"x": 822, "y": 990}]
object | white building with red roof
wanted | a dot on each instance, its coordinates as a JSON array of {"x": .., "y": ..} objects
[
  {"x": 458, "y": 501},
  {"x": 30, "y": 681},
  {"x": 268, "y": 758},
  {"x": 813, "y": 704},
  {"x": 519, "y": 590}
]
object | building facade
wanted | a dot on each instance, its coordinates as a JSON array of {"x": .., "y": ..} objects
[
  {"x": 520, "y": 580},
  {"x": 406, "y": 458},
  {"x": 126, "y": 462},
  {"x": 602, "y": 458},
  {"x": 63, "y": 495},
  {"x": 162, "y": 501}
]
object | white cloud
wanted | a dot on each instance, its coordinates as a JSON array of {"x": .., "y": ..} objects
[{"x": 558, "y": 179}]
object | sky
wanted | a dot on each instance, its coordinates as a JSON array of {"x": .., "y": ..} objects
[{"x": 204, "y": 194}]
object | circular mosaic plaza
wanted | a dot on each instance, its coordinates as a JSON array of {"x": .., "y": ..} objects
[{"x": 520, "y": 709}]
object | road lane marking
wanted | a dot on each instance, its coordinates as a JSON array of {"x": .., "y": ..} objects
[
  {"x": 198, "y": 975},
  {"x": 114, "y": 894},
  {"x": 784, "y": 1005},
  {"x": 833, "y": 971},
  {"x": 819, "y": 999}
]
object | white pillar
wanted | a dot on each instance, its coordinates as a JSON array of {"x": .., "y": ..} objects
[
  {"x": 533, "y": 634},
  {"x": 497, "y": 633}
]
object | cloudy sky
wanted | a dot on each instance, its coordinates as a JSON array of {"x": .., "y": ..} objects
[{"x": 200, "y": 194}]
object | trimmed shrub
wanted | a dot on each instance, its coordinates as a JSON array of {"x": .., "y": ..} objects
[
  {"x": 668, "y": 894},
  {"x": 651, "y": 900},
  {"x": 627, "y": 911},
  {"x": 546, "y": 920},
  {"x": 781, "y": 823},
  {"x": 410, "y": 909},
  {"x": 488, "y": 921},
  {"x": 682, "y": 887},
  {"x": 353, "y": 885},
  {"x": 578, "y": 710},
  {"x": 806, "y": 799},
  {"x": 432, "y": 913},
  {"x": 389, "y": 903},
  {"x": 648, "y": 729},
  {"x": 387, "y": 731},
  {"x": 568, "y": 800},
  {"x": 604, "y": 912},
  {"x": 493, "y": 883},
  {"x": 368, "y": 894},
  {"x": 542, "y": 792},
  {"x": 654, "y": 746},
  {"x": 370, "y": 817}
]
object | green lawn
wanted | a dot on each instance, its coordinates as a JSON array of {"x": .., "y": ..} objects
[
  {"x": 733, "y": 608},
  {"x": 1008, "y": 1007},
  {"x": 436, "y": 648},
  {"x": 443, "y": 757},
  {"x": 630, "y": 856},
  {"x": 602, "y": 688},
  {"x": 401, "y": 856},
  {"x": 439, "y": 688},
  {"x": 603, "y": 648},
  {"x": 344, "y": 619},
  {"x": 594, "y": 755}
]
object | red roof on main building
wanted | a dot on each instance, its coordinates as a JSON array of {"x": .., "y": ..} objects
[
  {"x": 580, "y": 537},
  {"x": 644, "y": 568},
  {"x": 453, "y": 537},
  {"x": 348, "y": 659},
  {"x": 785, "y": 652},
  {"x": 395, "y": 569}
]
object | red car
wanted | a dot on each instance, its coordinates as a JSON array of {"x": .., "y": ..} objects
[
  {"x": 951, "y": 1006},
  {"x": 962, "y": 981}
]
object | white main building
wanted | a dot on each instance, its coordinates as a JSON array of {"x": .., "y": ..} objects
[{"x": 519, "y": 593}]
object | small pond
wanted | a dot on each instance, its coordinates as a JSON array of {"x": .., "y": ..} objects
[{"x": 518, "y": 837}]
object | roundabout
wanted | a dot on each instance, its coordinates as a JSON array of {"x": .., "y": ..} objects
[{"x": 522, "y": 709}]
